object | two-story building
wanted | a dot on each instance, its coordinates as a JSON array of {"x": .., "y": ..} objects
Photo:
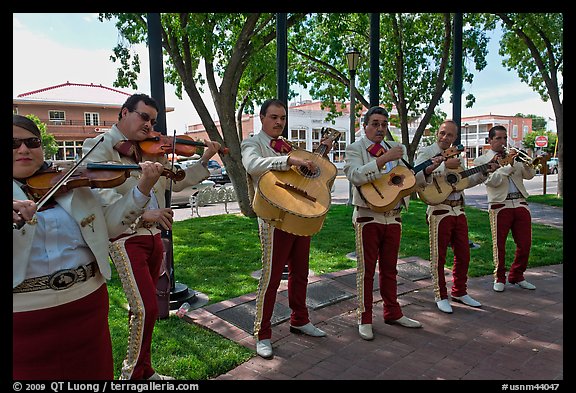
[{"x": 74, "y": 112}]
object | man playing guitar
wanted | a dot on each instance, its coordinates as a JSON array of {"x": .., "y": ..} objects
[
  {"x": 378, "y": 233},
  {"x": 448, "y": 225}
]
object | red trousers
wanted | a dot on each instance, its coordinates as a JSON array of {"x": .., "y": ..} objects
[
  {"x": 380, "y": 243},
  {"x": 444, "y": 229},
  {"x": 279, "y": 249},
  {"x": 518, "y": 220},
  {"x": 67, "y": 342},
  {"x": 138, "y": 259}
]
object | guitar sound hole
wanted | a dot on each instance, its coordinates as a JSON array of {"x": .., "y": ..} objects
[
  {"x": 304, "y": 171},
  {"x": 452, "y": 178},
  {"x": 396, "y": 180}
]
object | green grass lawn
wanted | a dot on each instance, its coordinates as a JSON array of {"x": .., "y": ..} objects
[{"x": 216, "y": 256}]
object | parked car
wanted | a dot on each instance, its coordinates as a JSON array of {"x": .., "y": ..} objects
[
  {"x": 182, "y": 198},
  {"x": 218, "y": 173},
  {"x": 553, "y": 165}
]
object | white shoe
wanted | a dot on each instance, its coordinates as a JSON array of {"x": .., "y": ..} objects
[
  {"x": 365, "y": 331},
  {"x": 467, "y": 300},
  {"x": 308, "y": 329},
  {"x": 406, "y": 322},
  {"x": 264, "y": 348},
  {"x": 499, "y": 286},
  {"x": 444, "y": 306},
  {"x": 525, "y": 284},
  {"x": 160, "y": 377}
]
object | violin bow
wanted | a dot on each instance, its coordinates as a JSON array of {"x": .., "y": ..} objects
[
  {"x": 172, "y": 168},
  {"x": 58, "y": 184}
]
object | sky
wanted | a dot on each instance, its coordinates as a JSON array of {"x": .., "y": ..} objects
[{"x": 53, "y": 48}]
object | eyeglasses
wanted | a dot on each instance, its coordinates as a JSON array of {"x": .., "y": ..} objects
[
  {"x": 31, "y": 143},
  {"x": 146, "y": 117},
  {"x": 375, "y": 124}
]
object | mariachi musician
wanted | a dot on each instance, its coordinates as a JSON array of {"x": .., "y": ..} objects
[
  {"x": 138, "y": 252},
  {"x": 447, "y": 224},
  {"x": 268, "y": 150},
  {"x": 378, "y": 233},
  {"x": 60, "y": 267},
  {"x": 508, "y": 211}
]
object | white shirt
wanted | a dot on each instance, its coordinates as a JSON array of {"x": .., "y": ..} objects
[{"x": 58, "y": 244}]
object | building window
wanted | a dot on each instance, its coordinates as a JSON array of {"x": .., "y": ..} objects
[
  {"x": 339, "y": 151},
  {"x": 91, "y": 119},
  {"x": 298, "y": 137},
  {"x": 68, "y": 151},
  {"x": 515, "y": 131},
  {"x": 316, "y": 136},
  {"x": 57, "y": 117}
]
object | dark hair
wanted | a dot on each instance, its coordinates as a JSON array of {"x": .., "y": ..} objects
[
  {"x": 374, "y": 110},
  {"x": 492, "y": 131},
  {"x": 133, "y": 101},
  {"x": 27, "y": 124},
  {"x": 271, "y": 102}
]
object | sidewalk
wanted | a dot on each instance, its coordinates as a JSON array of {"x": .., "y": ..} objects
[{"x": 515, "y": 335}]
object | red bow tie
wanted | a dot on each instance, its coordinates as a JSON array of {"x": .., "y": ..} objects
[
  {"x": 280, "y": 145},
  {"x": 129, "y": 149},
  {"x": 376, "y": 150}
]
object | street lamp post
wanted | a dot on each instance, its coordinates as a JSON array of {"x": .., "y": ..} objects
[
  {"x": 466, "y": 127},
  {"x": 352, "y": 58}
]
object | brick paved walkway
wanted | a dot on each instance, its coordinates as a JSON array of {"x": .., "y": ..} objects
[{"x": 515, "y": 335}]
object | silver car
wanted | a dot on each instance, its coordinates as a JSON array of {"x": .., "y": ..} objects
[{"x": 182, "y": 198}]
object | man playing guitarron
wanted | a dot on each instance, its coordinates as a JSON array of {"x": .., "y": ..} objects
[{"x": 268, "y": 150}]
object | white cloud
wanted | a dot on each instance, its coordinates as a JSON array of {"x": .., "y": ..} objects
[{"x": 39, "y": 62}]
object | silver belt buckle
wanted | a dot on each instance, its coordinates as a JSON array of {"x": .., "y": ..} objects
[{"x": 63, "y": 279}]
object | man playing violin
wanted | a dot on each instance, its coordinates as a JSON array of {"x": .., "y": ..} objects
[
  {"x": 448, "y": 225},
  {"x": 508, "y": 211},
  {"x": 138, "y": 252},
  {"x": 60, "y": 267},
  {"x": 378, "y": 234}
]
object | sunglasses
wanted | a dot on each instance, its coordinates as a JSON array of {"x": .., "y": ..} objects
[
  {"x": 31, "y": 143},
  {"x": 146, "y": 117}
]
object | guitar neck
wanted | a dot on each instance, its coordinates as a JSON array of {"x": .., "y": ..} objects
[
  {"x": 422, "y": 165},
  {"x": 476, "y": 169},
  {"x": 322, "y": 150}
]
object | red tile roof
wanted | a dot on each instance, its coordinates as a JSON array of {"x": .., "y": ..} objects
[{"x": 77, "y": 93}]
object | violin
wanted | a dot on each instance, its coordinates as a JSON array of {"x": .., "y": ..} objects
[
  {"x": 159, "y": 144},
  {"x": 94, "y": 175}
]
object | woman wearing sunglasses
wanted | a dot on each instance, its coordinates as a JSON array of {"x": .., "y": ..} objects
[{"x": 60, "y": 267}]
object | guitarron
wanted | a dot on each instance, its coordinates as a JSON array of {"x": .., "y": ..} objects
[
  {"x": 296, "y": 201},
  {"x": 384, "y": 193}
]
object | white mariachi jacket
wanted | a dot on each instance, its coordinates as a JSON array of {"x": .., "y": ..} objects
[
  {"x": 96, "y": 225},
  {"x": 361, "y": 168},
  {"x": 105, "y": 152},
  {"x": 497, "y": 183}
]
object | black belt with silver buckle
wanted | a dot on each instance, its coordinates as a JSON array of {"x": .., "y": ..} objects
[
  {"x": 453, "y": 202},
  {"x": 62, "y": 279},
  {"x": 514, "y": 195},
  {"x": 392, "y": 213}
]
